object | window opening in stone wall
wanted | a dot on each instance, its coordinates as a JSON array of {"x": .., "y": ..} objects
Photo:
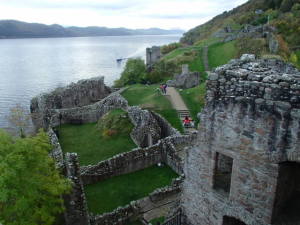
[
  {"x": 232, "y": 221},
  {"x": 222, "y": 173},
  {"x": 287, "y": 198}
]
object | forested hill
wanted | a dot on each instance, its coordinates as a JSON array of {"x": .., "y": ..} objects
[{"x": 18, "y": 29}]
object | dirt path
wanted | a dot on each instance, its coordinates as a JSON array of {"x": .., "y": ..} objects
[{"x": 179, "y": 106}]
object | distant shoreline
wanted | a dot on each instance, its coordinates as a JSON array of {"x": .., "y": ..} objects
[
  {"x": 128, "y": 35},
  {"x": 13, "y": 29}
]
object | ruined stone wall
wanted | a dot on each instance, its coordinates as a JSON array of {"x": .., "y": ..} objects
[
  {"x": 137, "y": 159},
  {"x": 252, "y": 115},
  {"x": 87, "y": 114},
  {"x": 137, "y": 209},
  {"x": 76, "y": 207},
  {"x": 56, "y": 152},
  {"x": 153, "y": 55},
  {"x": 84, "y": 92}
]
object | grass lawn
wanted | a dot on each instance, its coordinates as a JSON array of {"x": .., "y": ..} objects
[
  {"x": 90, "y": 145},
  {"x": 155, "y": 221},
  {"x": 118, "y": 191},
  {"x": 221, "y": 53},
  {"x": 148, "y": 97},
  {"x": 194, "y": 99}
]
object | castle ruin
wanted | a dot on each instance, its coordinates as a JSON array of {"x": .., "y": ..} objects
[{"x": 245, "y": 167}]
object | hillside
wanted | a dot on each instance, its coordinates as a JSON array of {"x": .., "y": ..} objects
[
  {"x": 267, "y": 28},
  {"x": 18, "y": 29}
]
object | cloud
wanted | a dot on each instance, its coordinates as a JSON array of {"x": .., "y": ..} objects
[{"x": 116, "y": 13}]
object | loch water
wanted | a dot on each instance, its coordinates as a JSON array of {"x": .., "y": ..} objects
[{"x": 29, "y": 67}]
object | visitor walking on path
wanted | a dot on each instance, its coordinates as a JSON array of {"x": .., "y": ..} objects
[{"x": 165, "y": 88}]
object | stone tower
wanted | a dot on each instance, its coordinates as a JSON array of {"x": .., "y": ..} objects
[
  {"x": 245, "y": 167},
  {"x": 153, "y": 55}
]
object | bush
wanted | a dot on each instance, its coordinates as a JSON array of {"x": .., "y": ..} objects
[
  {"x": 162, "y": 70},
  {"x": 134, "y": 72},
  {"x": 113, "y": 123}
]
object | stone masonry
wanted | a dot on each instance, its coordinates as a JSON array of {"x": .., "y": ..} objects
[
  {"x": 84, "y": 92},
  {"x": 243, "y": 168}
]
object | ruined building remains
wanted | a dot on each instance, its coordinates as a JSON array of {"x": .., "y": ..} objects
[
  {"x": 153, "y": 55},
  {"x": 245, "y": 167},
  {"x": 82, "y": 93}
]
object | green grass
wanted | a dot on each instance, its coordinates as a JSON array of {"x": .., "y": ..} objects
[
  {"x": 89, "y": 143},
  {"x": 194, "y": 99},
  {"x": 298, "y": 56},
  {"x": 221, "y": 53},
  {"x": 196, "y": 64},
  {"x": 207, "y": 42},
  {"x": 118, "y": 191},
  {"x": 156, "y": 220},
  {"x": 148, "y": 97}
]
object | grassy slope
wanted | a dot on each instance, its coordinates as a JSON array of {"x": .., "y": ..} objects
[
  {"x": 221, "y": 53},
  {"x": 91, "y": 147},
  {"x": 196, "y": 64},
  {"x": 194, "y": 98},
  {"x": 149, "y": 98},
  {"x": 107, "y": 195}
]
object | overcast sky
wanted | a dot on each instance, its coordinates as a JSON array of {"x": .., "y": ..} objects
[{"x": 183, "y": 14}]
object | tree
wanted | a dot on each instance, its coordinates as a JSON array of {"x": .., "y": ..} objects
[
  {"x": 19, "y": 118},
  {"x": 30, "y": 185},
  {"x": 133, "y": 73}
]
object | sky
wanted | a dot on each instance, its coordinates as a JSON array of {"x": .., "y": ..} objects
[{"x": 167, "y": 14}]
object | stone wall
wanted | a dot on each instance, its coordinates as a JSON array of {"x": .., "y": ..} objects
[
  {"x": 87, "y": 114},
  {"x": 137, "y": 159},
  {"x": 84, "y": 92},
  {"x": 149, "y": 127},
  {"x": 252, "y": 115},
  {"x": 185, "y": 80},
  {"x": 136, "y": 209},
  {"x": 76, "y": 207},
  {"x": 56, "y": 152}
]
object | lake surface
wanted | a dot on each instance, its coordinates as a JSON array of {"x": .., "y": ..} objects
[{"x": 29, "y": 67}]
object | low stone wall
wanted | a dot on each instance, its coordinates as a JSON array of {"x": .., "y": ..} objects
[
  {"x": 56, "y": 153},
  {"x": 136, "y": 209},
  {"x": 137, "y": 159}
]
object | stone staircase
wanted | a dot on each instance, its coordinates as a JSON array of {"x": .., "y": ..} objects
[{"x": 187, "y": 128}]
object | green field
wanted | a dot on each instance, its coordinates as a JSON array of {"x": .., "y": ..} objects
[
  {"x": 147, "y": 97},
  {"x": 155, "y": 221},
  {"x": 194, "y": 99},
  {"x": 221, "y": 53},
  {"x": 118, "y": 191},
  {"x": 91, "y": 146}
]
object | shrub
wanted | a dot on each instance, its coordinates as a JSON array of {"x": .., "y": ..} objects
[
  {"x": 134, "y": 72},
  {"x": 162, "y": 70},
  {"x": 113, "y": 123}
]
